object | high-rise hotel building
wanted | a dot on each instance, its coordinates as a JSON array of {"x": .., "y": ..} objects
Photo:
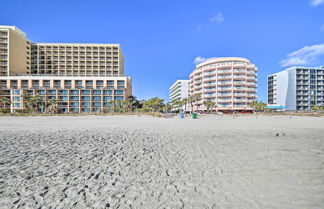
[
  {"x": 40, "y": 68},
  {"x": 297, "y": 88},
  {"x": 231, "y": 83}
]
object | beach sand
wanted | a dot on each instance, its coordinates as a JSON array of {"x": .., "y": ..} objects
[{"x": 147, "y": 162}]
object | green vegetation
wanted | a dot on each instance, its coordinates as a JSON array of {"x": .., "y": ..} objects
[
  {"x": 258, "y": 106},
  {"x": 4, "y": 102},
  {"x": 210, "y": 105}
]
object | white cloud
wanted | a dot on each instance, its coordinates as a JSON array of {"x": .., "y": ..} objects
[
  {"x": 322, "y": 28},
  {"x": 316, "y": 3},
  {"x": 198, "y": 60},
  {"x": 218, "y": 18},
  {"x": 303, "y": 56}
]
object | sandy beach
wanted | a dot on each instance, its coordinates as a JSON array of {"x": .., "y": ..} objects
[{"x": 148, "y": 162}]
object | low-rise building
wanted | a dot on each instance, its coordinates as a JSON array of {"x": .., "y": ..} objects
[{"x": 73, "y": 94}]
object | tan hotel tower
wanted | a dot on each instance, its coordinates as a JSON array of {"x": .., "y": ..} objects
[{"x": 36, "y": 68}]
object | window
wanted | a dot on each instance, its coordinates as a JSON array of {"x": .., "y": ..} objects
[
  {"x": 16, "y": 98},
  {"x": 74, "y": 92},
  {"x": 119, "y": 92},
  {"x": 16, "y": 105},
  {"x": 63, "y": 92},
  {"x": 64, "y": 98},
  {"x": 16, "y": 92},
  {"x": 97, "y": 98},
  {"x": 107, "y": 98},
  {"x": 118, "y": 98},
  {"x": 74, "y": 98},
  {"x": 86, "y": 92},
  {"x": 86, "y": 98},
  {"x": 108, "y": 92}
]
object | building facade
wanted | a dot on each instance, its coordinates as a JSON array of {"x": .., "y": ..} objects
[
  {"x": 15, "y": 51},
  {"x": 73, "y": 94},
  {"x": 82, "y": 78},
  {"x": 77, "y": 59},
  {"x": 231, "y": 83},
  {"x": 297, "y": 88},
  {"x": 178, "y": 91},
  {"x": 19, "y": 56}
]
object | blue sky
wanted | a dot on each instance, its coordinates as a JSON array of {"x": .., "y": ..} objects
[{"x": 161, "y": 39}]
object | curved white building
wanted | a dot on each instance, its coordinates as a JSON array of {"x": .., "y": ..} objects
[{"x": 228, "y": 82}]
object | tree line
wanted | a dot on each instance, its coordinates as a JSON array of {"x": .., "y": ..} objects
[{"x": 37, "y": 104}]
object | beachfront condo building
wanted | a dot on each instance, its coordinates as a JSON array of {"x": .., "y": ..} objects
[
  {"x": 72, "y": 94},
  {"x": 177, "y": 92},
  {"x": 83, "y": 78},
  {"x": 230, "y": 82},
  {"x": 297, "y": 88}
]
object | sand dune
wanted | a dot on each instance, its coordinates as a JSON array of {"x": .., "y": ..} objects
[{"x": 147, "y": 162}]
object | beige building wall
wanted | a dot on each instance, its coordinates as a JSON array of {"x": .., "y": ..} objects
[
  {"x": 14, "y": 51},
  {"x": 77, "y": 59}
]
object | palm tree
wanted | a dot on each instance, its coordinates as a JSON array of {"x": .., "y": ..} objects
[
  {"x": 185, "y": 102},
  {"x": 196, "y": 98},
  {"x": 209, "y": 104},
  {"x": 52, "y": 106},
  {"x": 167, "y": 107},
  {"x": 178, "y": 103},
  {"x": 253, "y": 105},
  {"x": 35, "y": 102},
  {"x": 26, "y": 102},
  {"x": 132, "y": 102},
  {"x": 261, "y": 106},
  {"x": 258, "y": 106},
  {"x": 5, "y": 101}
]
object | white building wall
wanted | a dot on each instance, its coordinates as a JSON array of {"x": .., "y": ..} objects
[
  {"x": 285, "y": 88},
  {"x": 179, "y": 90}
]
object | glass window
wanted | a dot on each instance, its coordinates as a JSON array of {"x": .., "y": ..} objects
[
  {"x": 64, "y": 92},
  {"x": 16, "y": 92},
  {"x": 74, "y": 98},
  {"x": 86, "y": 98},
  {"x": 74, "y": 92},
  {"x": 107, "y": 98},
  {"x": 108, "y": 92},
  {"x": 119, "y": 98},
  {"x": 119, "y": 92},
  {"x": 16, "y": 105},
  {"x": 74, "y": 104},
  {"x": 64, "y": 98},
  {"x": 86, "y": 92}
]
